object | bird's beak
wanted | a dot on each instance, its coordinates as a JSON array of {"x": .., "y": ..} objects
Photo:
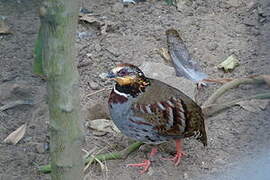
[{"x": 111, "y": 75}]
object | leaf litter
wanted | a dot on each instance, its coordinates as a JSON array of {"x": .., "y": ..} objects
[{"x": 16, "y": 135}]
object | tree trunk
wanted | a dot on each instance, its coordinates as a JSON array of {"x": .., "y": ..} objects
[{"x": 56, "y": 47}]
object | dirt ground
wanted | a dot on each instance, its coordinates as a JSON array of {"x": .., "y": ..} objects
[{"x": 212, "y": 30}]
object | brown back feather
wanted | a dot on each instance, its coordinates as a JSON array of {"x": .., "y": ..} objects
[{"x": 160, "y": 101}]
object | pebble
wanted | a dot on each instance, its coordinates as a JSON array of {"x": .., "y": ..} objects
[
  {"x": 118, "y": 7},
  {"x": 93, "y": 85},
  {"x": 234, "y": 3},
  {"x": 40, "y": 148},
  {"x": 98, "y": 110},
  {"x": 252, "y": 5},
  {"x": 211, "y": 46},
  {"x": 84, "y": 35},
  {"x": 103, "y": 76},
  {"x": 186, "y": 176},
  {"x": 98, "y": 48},
  {"x": 89, "y": 55},
  {"x": 220, "y": 162}
]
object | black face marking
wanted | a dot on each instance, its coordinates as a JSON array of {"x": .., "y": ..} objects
[
  {"x": 137, "y": 87},
  {"x": 130, "y": 70},
  {"x": 131, "y": 89},
  {"x": 123, "y": 72}
]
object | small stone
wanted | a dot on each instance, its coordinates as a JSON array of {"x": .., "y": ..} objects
[
  {"x": 103, "y": 76},
  {"x": 220, "y": 162},
  {"x": 118, "y": 7},
  {"x": 252, "y": 5},
  {"x": 102, "y": 125},
  {"x": 40, "y": 148},
  {"x": 84, "y": 35},
  {"x": 99, "y": 110},
  {"x": 262, "y": 20},
  {"x": 99, "y": 133},
  {"x": 98, "y": 47},
  {"x": 186, "y": 176},
  {"x": 46, "y": 146},
  {"x": 234, "y": 3},
  {"x": 211, "y": 46},
  {"x": 255, "y": 31},
  {"x": 205, "y": 165},
  {"x": 183, "y": 4},
  {"x": 157, "y": 70},
  {"x": 85, "y": 11},
  {"x": 252, "y": 21},
  {"x": 93, "y": 85}
]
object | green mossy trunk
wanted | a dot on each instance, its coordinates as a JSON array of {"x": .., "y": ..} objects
[{"x": 55, "y": 58}]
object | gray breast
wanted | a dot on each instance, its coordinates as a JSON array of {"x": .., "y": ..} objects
[{"x": 132, "y": 126}]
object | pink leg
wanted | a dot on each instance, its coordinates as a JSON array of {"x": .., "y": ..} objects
[
  {"x": 179, "y": 153},
  {"x": 146, "y": 163}
]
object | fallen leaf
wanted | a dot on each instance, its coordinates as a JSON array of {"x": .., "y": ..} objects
[
  {"x": 164, "y": 53},
  {"x": 229, "y": 64},
  {"x": 103, "y": 125},
  {"x": 16, "y": 103},
  {"x": 103, "y": 25},
  {"x": 266, "y": 79},
  {"x": 182, "y": 4},
  {"x": 90, "y": 19},
  {"x": 4, "y": 29},
  {"x": 254, "y": 105},
  {"x": 16, "y": 135}
]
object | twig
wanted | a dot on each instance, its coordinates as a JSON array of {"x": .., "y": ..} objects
[
  {"x": 215, "y": 108},
  {"x": 99, "y": 91},
  {"x": 230, "y": 85},
  {"x": 16, "y": 103},
  {"x": 222, "y": 80},
  {"x": 102, "y": 157}
]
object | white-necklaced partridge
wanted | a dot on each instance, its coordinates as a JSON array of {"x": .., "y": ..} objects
[{"x": 153, "y": 112}]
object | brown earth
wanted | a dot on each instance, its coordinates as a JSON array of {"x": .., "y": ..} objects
[{"x": 212, "y": 30}]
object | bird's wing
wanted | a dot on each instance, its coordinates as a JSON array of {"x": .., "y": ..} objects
[
  {"x": 170, "y": 111},
  {"x": 168, "y": 117}
]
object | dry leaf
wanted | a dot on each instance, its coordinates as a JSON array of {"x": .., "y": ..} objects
[
  {"x": 4, "y": 29},
  {"x": 254, "y": 105},
  {"x": 103, "y": 125},
  {"x": 266, "y": 79},
  {"x": 89, "y": 18},
  {"x": 16, "y": 103},
  {"x": 164, "y": 53},
  {"x": 103, "y": 25},
  {"x": 16, "y": 135},
  {"x": 229, "y": 64}
]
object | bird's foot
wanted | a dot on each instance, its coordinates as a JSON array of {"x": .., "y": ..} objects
[
  {"x": 176, "y": 159},
  {"x": 146, "y": 164}
]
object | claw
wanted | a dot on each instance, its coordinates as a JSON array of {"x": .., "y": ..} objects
[
  {"x": 146, "y": 164},
  {"x": 176, "y": 159},
  {"x": 179, "y": 153}
]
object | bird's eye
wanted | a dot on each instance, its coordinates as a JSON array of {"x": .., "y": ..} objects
[{"x": 123, "y": 72}]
